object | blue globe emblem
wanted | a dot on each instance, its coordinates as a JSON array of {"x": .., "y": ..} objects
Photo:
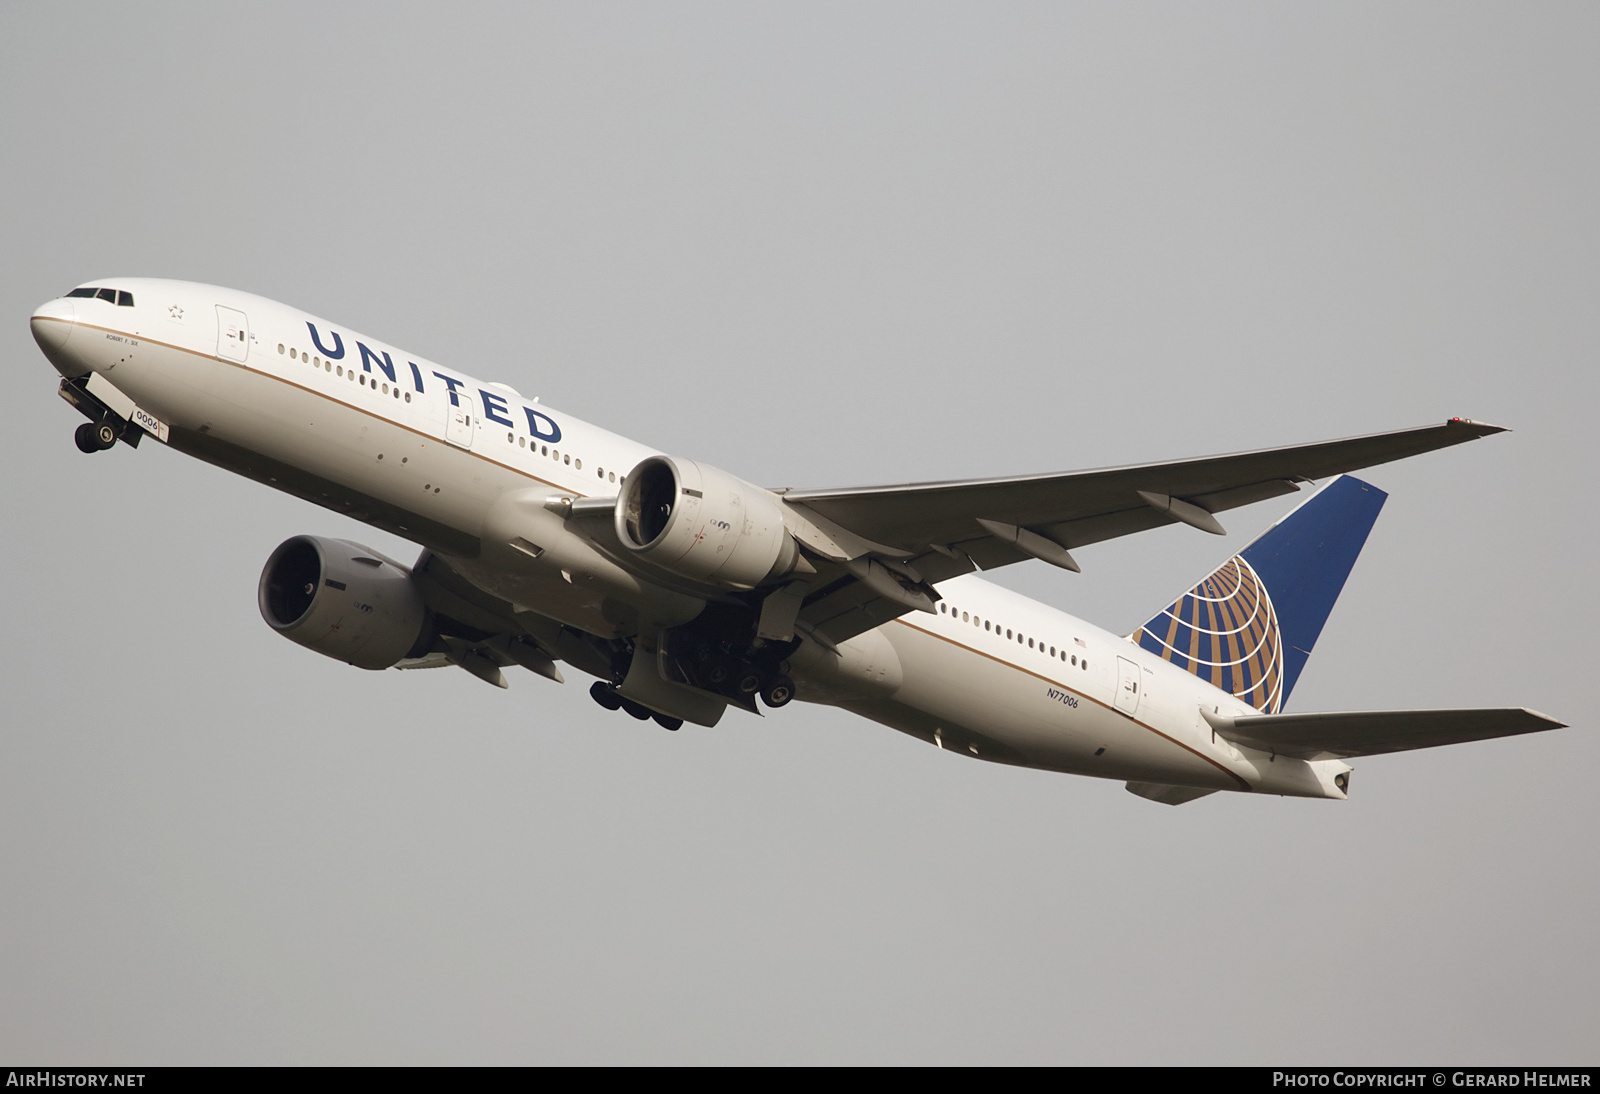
[{"x": 1224, "y": 631}]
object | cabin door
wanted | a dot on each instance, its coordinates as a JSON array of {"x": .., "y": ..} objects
[
  {"x": 233, "y": 334},
  {"x": 1127, "y": 686},
  {"x": 458, "y": 425}
]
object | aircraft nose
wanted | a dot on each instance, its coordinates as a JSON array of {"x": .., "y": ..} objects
[{"x": 52, "y": 324}]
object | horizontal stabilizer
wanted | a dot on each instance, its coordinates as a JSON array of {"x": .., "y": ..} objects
[{"x": 1344, "y": 734}]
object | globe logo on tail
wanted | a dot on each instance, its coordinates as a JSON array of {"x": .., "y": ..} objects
[{"x": 1224, "y": 631}]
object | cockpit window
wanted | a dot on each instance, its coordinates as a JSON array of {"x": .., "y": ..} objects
[{"x": 120, "y": 297}]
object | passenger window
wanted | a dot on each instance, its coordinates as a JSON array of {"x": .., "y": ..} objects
[
  {"x": 280, "y": 347},
  {"x": 613, "y": 476},
  {"x": 1074, "y": 660},
  {"x": 408, "y": 396}
]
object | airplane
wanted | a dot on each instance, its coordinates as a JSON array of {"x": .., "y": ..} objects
[{"x": 686, "y": 590}]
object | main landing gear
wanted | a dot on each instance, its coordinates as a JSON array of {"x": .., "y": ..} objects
[
  {"x": 96, "y": 436},
  {"x": 606, "y": 695},
  {"x": 774, "y": 693},
  {"x": 741, "y": 679},
  {"x": 740, "y": 669},
  {"x": 778, "y": 692}
]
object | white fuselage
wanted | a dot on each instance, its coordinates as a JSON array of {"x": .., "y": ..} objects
[{"x": 451, "y": 462}]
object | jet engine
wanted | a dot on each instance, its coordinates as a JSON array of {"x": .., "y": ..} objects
[
  {"x": 704, "y": 524},
  {"x": 344, "y": 600}
]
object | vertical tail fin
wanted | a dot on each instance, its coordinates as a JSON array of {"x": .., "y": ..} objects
[{"x": 1249, "y": 627}]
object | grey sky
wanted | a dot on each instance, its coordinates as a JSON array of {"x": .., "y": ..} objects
[{"x": 815, "y": 245}]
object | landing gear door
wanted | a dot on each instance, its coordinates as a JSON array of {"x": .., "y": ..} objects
[
  {"x": 458, "y": 425},
  {"x": 233, "y": 334},
  {"x": 1127, "y": 686}
]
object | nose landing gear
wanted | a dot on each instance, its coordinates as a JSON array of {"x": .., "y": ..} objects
[
  {"x": 107, "y": 424},
  {"x": 96, "y": 436}
]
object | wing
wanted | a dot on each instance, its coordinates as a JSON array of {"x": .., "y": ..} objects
[
  {"x": 1374, "y": 732},
  {"x": 1081, "y": 507},
  {"x": 890, "y": 544}
]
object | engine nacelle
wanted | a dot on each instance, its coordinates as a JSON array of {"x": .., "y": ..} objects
[
  {"x": 343, "y": 600},
  {"x": 704, "y": 524}
]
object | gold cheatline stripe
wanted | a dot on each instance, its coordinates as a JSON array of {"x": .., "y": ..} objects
[{"x": 1243, "y": 784}]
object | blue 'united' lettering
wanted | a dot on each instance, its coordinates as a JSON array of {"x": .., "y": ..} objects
[
  {"x": 368, "y": 359},
  {"x": 542, "y": 426},
  {"x": 338, "y": 343},
  {"x": 495, "y": 409},
  {"x": 452, "y": 384}
]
